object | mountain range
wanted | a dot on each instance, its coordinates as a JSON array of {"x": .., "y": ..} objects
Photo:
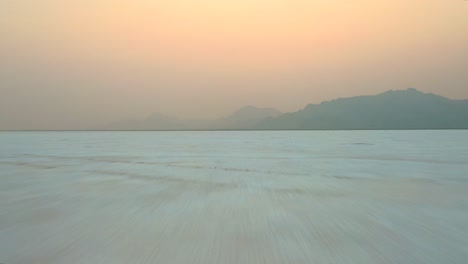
[
  {"x": 400, "y": 109},
  {"x": 247, "y": 117}
]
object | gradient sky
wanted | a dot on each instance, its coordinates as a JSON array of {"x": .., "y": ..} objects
[{"x": 79, "y": 63}]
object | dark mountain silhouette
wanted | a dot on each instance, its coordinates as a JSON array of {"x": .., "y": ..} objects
[{"x": 403, "y": 109}]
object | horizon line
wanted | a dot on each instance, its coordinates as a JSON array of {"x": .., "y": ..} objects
[{"x": 241, "y": 130}]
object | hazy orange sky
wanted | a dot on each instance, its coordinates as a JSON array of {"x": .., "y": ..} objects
[{"x": 79, "y": 63}]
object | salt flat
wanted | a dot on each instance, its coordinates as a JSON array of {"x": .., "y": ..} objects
[{"x": 234, "y": 197}]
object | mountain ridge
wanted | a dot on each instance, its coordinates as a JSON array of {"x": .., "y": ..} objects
[
  {"x": 400, "y": 109},
  {"x": 244, "y": 118},
  {"x": 392, "y": 109}
]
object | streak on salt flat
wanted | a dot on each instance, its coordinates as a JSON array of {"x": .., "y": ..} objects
[{"x": 234, "y": 197}]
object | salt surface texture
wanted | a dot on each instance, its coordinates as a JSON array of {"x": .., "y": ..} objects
[{"x": 234, "y": 197}]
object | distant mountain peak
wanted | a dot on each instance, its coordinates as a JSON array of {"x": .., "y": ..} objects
[
  {"x": 411, "y": 90},
  {"x": 394, "y": 109},
  {"x": 400, "y": 109},
  {"x": 247, "y": 116},
  {"x": 407, "y": 91}
]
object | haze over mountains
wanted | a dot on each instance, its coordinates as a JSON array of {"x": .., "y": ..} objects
[
  {"x": 247, "y": 117},
  {"x": 401, "y": 109}
]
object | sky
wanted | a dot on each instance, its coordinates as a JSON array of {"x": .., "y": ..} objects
[{"x": 81, "y": 63}]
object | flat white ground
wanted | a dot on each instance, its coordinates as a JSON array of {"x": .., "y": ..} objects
[{"x": 234, "y": 197}]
